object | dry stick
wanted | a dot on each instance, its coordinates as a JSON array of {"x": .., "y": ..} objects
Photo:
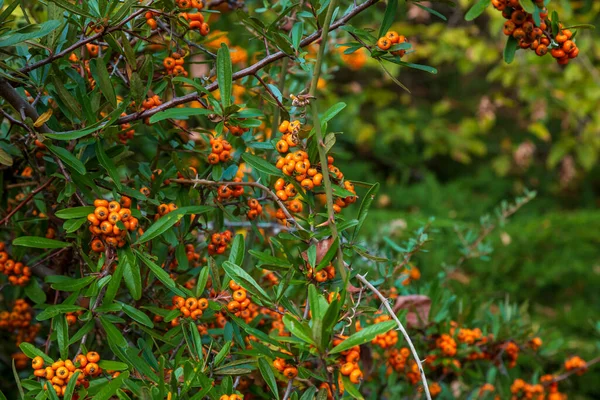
[
  {"x": 27, "y": 200},
  {"x": 20, "y": 105},
  {"x": 80, "y": 43},
  {"x": 251, "y": 70},
  {"x": 319, "y": 137},
  {"x": 564, "y": 376},
  {"x": 268, "y": 89},
  {"x": 206, "y": 182},
  {"x": 386, "y": 304},
  {"x": 288, "y": 390}
]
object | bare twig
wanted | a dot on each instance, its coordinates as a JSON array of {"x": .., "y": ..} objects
[
  {"x": 268, "y": 89},
  {"x": 564, "y": 376},
  {"x": 387, "y": 306},
  {"x": 27, "y": 200}
]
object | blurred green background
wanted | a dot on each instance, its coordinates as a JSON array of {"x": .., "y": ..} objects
[{"x": 477, "y": 133}]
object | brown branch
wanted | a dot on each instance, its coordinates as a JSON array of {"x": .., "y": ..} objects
[
  {"x": 81, "y": 43},
  {"x": 269, "y": 192},
  {"x": 268, "y": 89},
  {"x": 26, "y": 200},
  {"x": 251, "y": 70},
  {"x": 21, "y": 106},
  {"x": 564, "y": 376}
]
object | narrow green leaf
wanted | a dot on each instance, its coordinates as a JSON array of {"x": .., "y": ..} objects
[
  {"x": 160, "y": 274},
  {"x": 114, "y": 335},
  {"x": 261, "y": 164},
  {"x": 389, "y": 17},
  {"x": 131, "y": 273},
  {"x": 68, "y": 158},
  {"x": 39, "y": 242},
  {"x": 477, "y": 9},
  {"x": 113, "y": 365},
  {"x": 298, "y": 329},
  {"x": 165, "y": 222},
  {"x": 74, "y": 212},
  {"x": 224, "y": 73},
  {"x": 244, "y": 279},
  {"x": 137, "y": 315},
  {"x": 108, "y": 164},
  {"x": 267, "y": 373},
  {"x": 29, "y": 32},
  {"x": 179, "y": 113},
  {"x": 527, "y": 6},
  {"x": 106, "y": 86},
  {"x": 236, "y": 253},
  {"x": 510, "y": 49},
  {"x": 72, "y": 8},
  {"x": 71, "y": 386},
  {"x": 62, "y": 335},
  {"x": 332, "y": 111},
  {"x": 363, "y": 336},
  {"x": 54, "y": 310},
  {"x": 365, "y": 205},
  {"x": 31, "y": 351},
  {"x": 111, "y": 388}
]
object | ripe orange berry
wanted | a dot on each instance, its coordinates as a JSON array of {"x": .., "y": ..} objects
[
  {"x": 393, "y": 36},
  {"x": 384, "y": 43},
  {"x": 356, "y": 376},
  {"x": 290, "y": 372},
  {"x": 92, "y": 356},
  {"x": 37, "y": 363}
]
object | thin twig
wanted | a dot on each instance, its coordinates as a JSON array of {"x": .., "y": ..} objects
[
  {"x": 387, "y": 306},
  {"x": 268, "y": 89},
  {"x": 27, "y": 200},
  {"x": 564, "y": 376},
  {"x": 288, "y": 390}
]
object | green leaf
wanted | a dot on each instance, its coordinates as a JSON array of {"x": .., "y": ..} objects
[
  {"x": 5, "y": 158},
  {"x": 66, "y": 98},
  {"x": 108, "y": 165},
  {"x": 68, "y": 158},
  {"x": 510, "y": 49},
  {"x": 351, "y": 389},
  {"x": 111, "y": 388},
  {"x": 131, "y": 273},
  {"x": 35, "y": 292},
  {"x": 160, "y": 274},
  {"x": 298, "y": 329},
  {"x": 74, "y": 212},
  {"x": 202, "y": 280},
  {"x": 115, "y": 337},
  {"x": 267, "y": 373},
  {"x": 365, "y": 205},
  {"x": 224, "y": 75},
  {"x": 431, "y": 11},
  {"x": 71, "y": 386},
  {"x": 113, "y": 365},
  {"x": 179, "y": 113},
  {"x": 106, "y": 86},
  {"x": 236, "y": 254},
  {"x": 477, "y": 9},
  {"x": 269, "y": 260},
  {"x": 29, "y": 32},
  {"x": 165, "y": 222},
  {"x": 421, "y": 67},
  {"x": 54, "y": 310},
  {"x": 244, "y": 279},
  {"x": 62, "y": 335},
  {"x": 72, "y": 8},
  {"x": 261, "y": 164},
  {"x": 392, "y": 77},
  {"x": 527, "y": 6},
  {"x": 39, "y": 242},
  {"x": 332, "y": 111},
  {"x": 137, "y": 315},
  {"x": 31, "y": 351},
  {"x": 389, "y": 17},
  {"x": 364, "y": 336},
  {"x": 581, "y": 26},
  {"x": 554, "y": 23},
  {"x": 8, "y": 10},
  {"x": 66, "y": 283},
  {"x": 222, "y": 353},
  {"x": 297, "y": 31},
  {"x": 71, "y": 225}
]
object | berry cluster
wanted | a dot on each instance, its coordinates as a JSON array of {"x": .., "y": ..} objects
[
  {"x": 72, "y": 317},
  {"x": 323, "y": 275},
  {"x": 289, "y": 139},
  {"x": 523, "y": 390},
  {"x": 220, "y": 151},
  {"x": 104, "y": 222},
  {"x": 190, "y": 307},
  {"x": 390, "y": 39},
  {"x": 235, "y": 130},
  {"x": 446, "y": 344},
  {"x": 230, "y": 397},
  {"x": 60, "y": 372},
  {"x": 469, "y": 336},
  {"x": 241, "y": 305},
  {"x": 18, "y": 274},
  {"x": 126, "y": 132},
  {"x": 388, "y": 339},
  {"x": 576, "y": 363},
  {"x": 349, "y": 365},
  {"x": 18, "y": 322},
  {"x": 174, "y": 64},
  {"x": 397, "y": 359},
  {"x": 228, "y": 191},
  {"x": 163, "y": 209},
  {"x": 297, "y": 165},
  {"x": 255, "y": 210},
  {"x": 150, "y": 20},
  {"x": 288, "y": 370},
  {"x": 412, "y": 273},
  {"x": 219, "y": 242},
  {"x": 521, "y": 25}
]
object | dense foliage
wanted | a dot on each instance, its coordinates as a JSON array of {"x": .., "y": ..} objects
[{"x": 182, "y": 217}]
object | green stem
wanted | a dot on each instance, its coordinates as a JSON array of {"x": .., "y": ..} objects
[
  {"x": 319, "y": 137},
  {"x": 281, "y": 87}
]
